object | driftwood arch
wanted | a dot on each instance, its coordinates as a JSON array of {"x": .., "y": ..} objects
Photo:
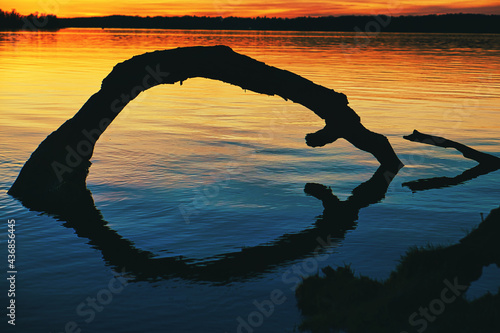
[{"x": 59, "y": 166}]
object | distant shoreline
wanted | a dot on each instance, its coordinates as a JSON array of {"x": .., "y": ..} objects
[{"x": 446, "y": 23}]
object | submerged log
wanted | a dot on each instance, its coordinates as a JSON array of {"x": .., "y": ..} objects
[
  {"x": 468, "y": 152},
  {"x": 60, "y": 164},
  {"x": 487, "y": 163}
]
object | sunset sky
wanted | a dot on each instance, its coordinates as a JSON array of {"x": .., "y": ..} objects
[{"x": 246, "y": 8}]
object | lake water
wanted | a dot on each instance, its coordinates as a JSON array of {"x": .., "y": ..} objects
[{"x": 205, "y": 170}]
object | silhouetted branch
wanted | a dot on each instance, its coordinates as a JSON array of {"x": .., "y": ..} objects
[
  {"x": 468, "y": 152},
  {"x": 487, "y": 163},
  {"x": 59, "y": 166}
]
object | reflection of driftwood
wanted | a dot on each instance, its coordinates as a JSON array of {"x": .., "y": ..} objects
[
  {"x": 468, "y": 152},
  {"x": 487, "y": 163},
  {"x": 425, "y": 292},
  {"x": 345, "y": 213},
  {"x": 60, "y": 164},
  {"x": 124, "y": 256}
]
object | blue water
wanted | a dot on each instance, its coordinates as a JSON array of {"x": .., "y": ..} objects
[{"x": 176, "y": 177}]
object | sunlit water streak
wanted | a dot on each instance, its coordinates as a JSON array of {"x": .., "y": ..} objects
[{"x": 175, "y": 144}]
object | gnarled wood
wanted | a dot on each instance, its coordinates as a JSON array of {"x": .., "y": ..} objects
[
  {"x": 468, "y": 152},
  {"x": 487, "y": 163},
  {"x": 60, "y": 164}
]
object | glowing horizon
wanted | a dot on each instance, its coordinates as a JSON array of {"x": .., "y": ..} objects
[{"x": 248, "y": 8}]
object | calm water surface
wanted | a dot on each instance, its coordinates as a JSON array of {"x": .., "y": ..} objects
[{"x": 205, "y": 169}]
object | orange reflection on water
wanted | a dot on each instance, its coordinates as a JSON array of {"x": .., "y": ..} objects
[{"x": 440, "y": 84}]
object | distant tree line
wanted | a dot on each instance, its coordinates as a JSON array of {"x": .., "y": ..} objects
[
  {"x": 468, "y": 23},
  {"x": 14, "y": 21}
]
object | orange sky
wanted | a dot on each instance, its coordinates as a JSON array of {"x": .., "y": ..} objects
[{"x": 279, "y": 8}]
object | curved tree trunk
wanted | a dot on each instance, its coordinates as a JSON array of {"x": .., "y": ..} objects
[{"x": 61, "y": 162}]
